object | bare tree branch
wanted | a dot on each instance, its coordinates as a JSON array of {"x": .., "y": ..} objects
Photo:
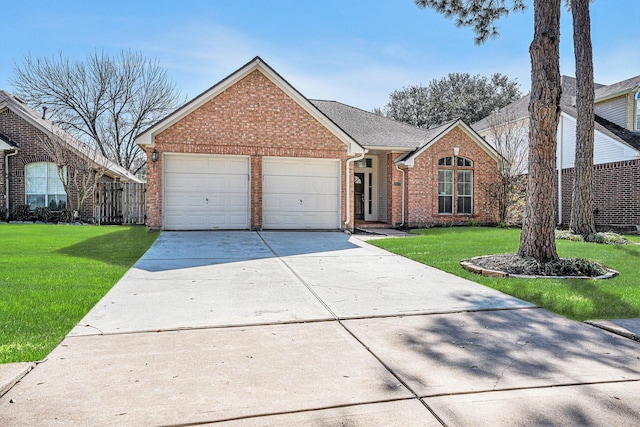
[{"x": 104, "y": 101}]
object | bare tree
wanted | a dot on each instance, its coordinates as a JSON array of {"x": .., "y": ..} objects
[
  {"x": 104, "y": 101},
  {"x": 79, "y": 167},
  {"x": 582, "y": 218},
  {"x": 509, "y": 136},
  {"x": 537, "y": 239}
]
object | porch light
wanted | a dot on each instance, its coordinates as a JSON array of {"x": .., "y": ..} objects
[
  {"x": 456, "y": 151},
  {"x": 154, "y": 155}
]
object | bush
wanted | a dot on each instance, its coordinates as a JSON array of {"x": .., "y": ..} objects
[
  {"x": 608, "y": 238},
  {"x": 20, "y": 213},
  {"x": 472, "y": 223},
  {"x": 3, "y": 214},
  {"x": 43, "y": 214},
  {"x": 503, "y": 225},
  {"x": 69, "y": 215}
]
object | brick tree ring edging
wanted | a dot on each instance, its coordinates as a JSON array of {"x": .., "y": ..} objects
[{"x": 469, "y": 265}]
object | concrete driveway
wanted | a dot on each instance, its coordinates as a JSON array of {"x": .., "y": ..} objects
[{"x": 311, "y": 328}]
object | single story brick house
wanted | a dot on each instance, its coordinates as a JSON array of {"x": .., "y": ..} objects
[
  {"x": 29, "y": 174},
  {"x": 252, "y": 152},
  {"x": 616, "y": 157}
]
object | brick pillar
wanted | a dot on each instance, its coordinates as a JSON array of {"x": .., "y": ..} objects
[
  {"x": 256, "y": 193},
  {"x": 394, "y": 192},
  {"x": 154, "y": 192}
]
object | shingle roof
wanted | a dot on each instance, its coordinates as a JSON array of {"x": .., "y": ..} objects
[
  {"x": 520, "y": 110},
  {"x": 21, "y": 108},
  {"x": 612, "y": 129},
  {"x": 619, "y": 88},
  {"x": 4, "y": 138},
  {"x": 372, "y": 130}
]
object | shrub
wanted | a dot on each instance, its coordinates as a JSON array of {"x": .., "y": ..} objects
[
  {"x": 472, "y": 223},
  {"x": 69, "y": 215},
  {"x": 503, "y": 225},
  {"x": 608, "y": 238},
  {"x": 3, "y": 214},
  {"x": 20, "y": 213},
  {"x": 43, "y": 214}
]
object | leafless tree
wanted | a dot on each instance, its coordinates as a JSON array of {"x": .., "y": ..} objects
[
  {"x": 79, "y": 167},
  {"x": 509, "y": 136},
  {"x": 104, "y": 101}
]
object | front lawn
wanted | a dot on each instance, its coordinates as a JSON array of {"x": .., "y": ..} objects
[
  {"x": 52, "y": 275},
  {"x": 577, "y": 299}
]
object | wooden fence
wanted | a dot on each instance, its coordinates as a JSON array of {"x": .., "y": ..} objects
[{"x": 120, "y": 203}]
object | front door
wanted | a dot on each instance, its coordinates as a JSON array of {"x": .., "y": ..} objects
[{"x": 358, "y": 195}]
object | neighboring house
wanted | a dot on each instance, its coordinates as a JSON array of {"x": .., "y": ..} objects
[
  {"x": 616, "y": 173},
  {"x": 29, "y": 173},
  {"x": 252, "y": 152}
]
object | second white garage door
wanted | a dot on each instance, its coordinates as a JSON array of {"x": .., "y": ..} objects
[
  {"x": 300, "y": 193},
  {"x": 205, "y": 192}
]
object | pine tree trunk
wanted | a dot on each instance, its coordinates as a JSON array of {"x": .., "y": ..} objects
[
  {"x": 582, "y": 219},
  {"x": 538, "y": 229}
]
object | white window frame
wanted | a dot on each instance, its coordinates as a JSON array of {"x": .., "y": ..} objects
[{"x": 51, "y": 170}]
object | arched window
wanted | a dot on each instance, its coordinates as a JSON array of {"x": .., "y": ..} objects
[
  {"x": 455, "y": 175},
  {"x": 44, "y": 189}
]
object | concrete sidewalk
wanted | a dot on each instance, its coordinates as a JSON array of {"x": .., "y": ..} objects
[{"x": 276, "y": 328}]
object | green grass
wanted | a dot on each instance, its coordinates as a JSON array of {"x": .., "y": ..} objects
[
  {"x": 52, "y": 275},
  {"x": 615, "y": 298}
]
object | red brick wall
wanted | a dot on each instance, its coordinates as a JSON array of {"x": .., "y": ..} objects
[
  {"x": 252, "y": 118},
  {"x": 29, "y": 151},
  {"x": 422, "y": 183},
  {"x": 27, "y": 137},
  {"x": 616, "y": 188}
]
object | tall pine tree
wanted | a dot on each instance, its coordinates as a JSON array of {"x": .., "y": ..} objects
[{"x": 538, "y": 231}]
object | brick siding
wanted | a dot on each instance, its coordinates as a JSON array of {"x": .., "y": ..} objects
[
  {"x": 616, "y": 188},
  {"x": 29, "y": 151},
  {"x": 422, "y": 183},
  {"x": 252, "y": 118}
]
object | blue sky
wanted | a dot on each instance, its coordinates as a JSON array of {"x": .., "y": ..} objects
[{"x": 352, "y": 51}]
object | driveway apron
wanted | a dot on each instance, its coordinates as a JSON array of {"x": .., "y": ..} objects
[{"x": 320, "y": 328}]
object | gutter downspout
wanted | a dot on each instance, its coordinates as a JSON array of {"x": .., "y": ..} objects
[
  {"x": 402, "y": 172},
  {"x": 348, "y": 190},
  {"x": 6, "y": 179},
  {"x": 560, "y": 160}
]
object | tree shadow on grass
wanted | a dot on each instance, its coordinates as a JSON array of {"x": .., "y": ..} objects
[{"x": 117, "y": 248}]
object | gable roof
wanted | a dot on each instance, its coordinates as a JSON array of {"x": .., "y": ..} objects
[
  {"x": 147, "y": 137},
  {"x": 440, "y": 131},
  {"x": 520, "y": 109},
  {"x": 617, "y": 89},
  {"x": 372, "y": 130},
  {"x": 19, "y": 107}
]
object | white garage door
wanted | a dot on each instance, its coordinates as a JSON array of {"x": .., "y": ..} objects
[
  {"x": 300, "y": 193},
  {"x": 205, "y": 192}
]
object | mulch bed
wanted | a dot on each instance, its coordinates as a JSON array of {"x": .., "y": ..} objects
[{"x": 515, "y": 265}]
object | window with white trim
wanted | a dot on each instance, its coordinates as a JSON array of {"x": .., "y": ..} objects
[
  {"x": 44, "y": 189},
  {"x": 455, "y": 182}
]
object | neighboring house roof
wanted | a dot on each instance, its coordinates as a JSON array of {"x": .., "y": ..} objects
[
  {"x": 520, "y": 110},
  {"x": 617, "y": 89},
  {"x": 372, "y": 130},
  {"x": 19, "y": 107},
  {"x": 611, "y": 129},
  {"x": 7, "y": 143},
  {"x": 147, "y": 137}
]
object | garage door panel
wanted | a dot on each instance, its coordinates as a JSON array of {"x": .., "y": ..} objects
[
  {"x": 206, "y": 192},
  {"x": 301, "y": 193}
]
